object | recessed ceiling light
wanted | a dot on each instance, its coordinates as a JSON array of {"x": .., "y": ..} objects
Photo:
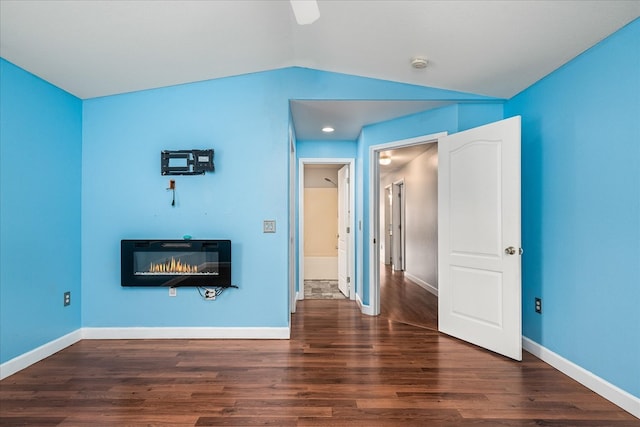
[{"x": 327, "y": 129}]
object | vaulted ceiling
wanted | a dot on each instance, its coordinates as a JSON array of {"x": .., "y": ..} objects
[{"x": 496, "y": 48}]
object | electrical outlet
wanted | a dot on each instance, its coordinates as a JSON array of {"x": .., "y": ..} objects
[
  {"x": 173, "y": 292},
  {"x": 538, "y": 305},
  {"x": 67, "y": 298}
]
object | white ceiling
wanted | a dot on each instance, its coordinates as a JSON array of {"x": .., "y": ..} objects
[
  {"x": 401, "y": 156},
  {"x": 496, "y": 48}
]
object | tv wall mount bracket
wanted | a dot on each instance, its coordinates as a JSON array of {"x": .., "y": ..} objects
[{"x": 186, "y": 162}]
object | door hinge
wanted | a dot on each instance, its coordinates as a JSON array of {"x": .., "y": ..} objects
[
  {"x": 348, "y": 279},
  {"x": 348, "y": 230}
]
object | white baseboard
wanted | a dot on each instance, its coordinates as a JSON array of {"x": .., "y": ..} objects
[
  {"x": 320, "y": 268},
  {"x": 186, "y": 333},
  {"x": 27, "y": 359},
  {"x": 424, "y": 285},
  {"x": 364, "y": 309},
  {"x": 616, "y": 395}
]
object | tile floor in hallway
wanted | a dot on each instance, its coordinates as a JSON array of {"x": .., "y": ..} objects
[{"x": 322, "y": 289}]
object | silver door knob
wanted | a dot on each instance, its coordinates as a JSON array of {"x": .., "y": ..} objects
[{"x": 510, "y": 250}]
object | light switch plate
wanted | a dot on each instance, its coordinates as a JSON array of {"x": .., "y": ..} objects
[{"x": 269, "y": 226}]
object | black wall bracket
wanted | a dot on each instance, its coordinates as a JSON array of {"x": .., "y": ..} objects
[{"x": 186, "y": 162}]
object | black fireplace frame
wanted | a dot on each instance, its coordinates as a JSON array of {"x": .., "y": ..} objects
[{"x": 221, "y": 247}]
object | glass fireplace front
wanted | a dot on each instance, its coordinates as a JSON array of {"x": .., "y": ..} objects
[{"x": 176, "y": 262}]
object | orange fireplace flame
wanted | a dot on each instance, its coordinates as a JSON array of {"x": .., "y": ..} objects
[{"x": 172, "y": 266}]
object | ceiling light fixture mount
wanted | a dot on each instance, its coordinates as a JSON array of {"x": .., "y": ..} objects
[
  {"x": 419, "y": 63},
  {"x": 385, "y": 159},
  {"x": 327, "y": 129}
]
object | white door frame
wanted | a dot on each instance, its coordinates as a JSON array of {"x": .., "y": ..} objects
[
  {"x": 292, "y": 225},
  {"x": 374, "y": 211},
  {"x": 351, "y": 240}
]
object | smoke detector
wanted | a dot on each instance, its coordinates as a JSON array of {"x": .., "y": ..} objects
[{"x": 419, "y": 63}]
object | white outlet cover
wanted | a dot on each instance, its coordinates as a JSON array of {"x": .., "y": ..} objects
[{"x": 173, "y": 292}]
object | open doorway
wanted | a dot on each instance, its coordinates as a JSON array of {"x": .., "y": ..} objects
[
  {"x": 407, "y": 213},
  {"x": 325, "y": 252}
]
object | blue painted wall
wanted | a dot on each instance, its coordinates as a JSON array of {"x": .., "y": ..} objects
[
  {"x": 326, "y": 149},
  {"x": 246, "y": 120},
  {"x": 471, "y": 115},
  {"x": 40, "y": 155},
  {"x": 581, "y": 209}
]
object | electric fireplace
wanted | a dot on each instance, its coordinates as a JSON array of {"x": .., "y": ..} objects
[{"x": 176, "y": 263}]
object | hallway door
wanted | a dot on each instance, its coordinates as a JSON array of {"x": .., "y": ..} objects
[
  {"x": 397, "y": 220},
  {"x": 386, "y": 252}
]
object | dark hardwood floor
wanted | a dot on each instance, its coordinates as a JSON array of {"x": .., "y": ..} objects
[
  {"x": 340, "y": 368},
  {"x": 404, "y": 301}
]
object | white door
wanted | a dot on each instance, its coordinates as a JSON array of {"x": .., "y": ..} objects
[
  {"x": 343, "y": 230},
  {"x": 479, "y": 269},
  {"x": 397, "y": 233},
  {"x": 387, "y": 228}
]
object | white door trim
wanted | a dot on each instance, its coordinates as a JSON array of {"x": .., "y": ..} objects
[
  {"x": 351, "y": 241},
  {"x": 292, "y": 227},
  {"x": 374, "y": 213}
]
